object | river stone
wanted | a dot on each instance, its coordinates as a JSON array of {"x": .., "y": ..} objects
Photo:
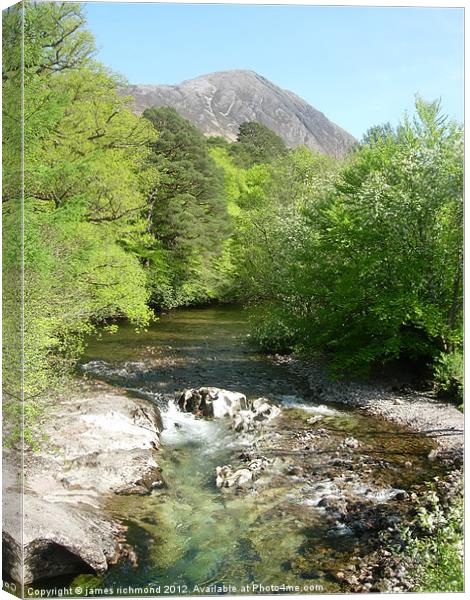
[
  {"x": 212, "y": 402},
  {"x": 261, "y": 411},
  {"x": 226, "y": 476},
  {"x": 264, "y": 410},
  {"x": 98, "y": 443}
]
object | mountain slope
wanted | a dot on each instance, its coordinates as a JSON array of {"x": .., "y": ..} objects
[{"x": 218, "y": 103}]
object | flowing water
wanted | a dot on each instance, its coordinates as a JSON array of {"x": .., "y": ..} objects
[{"x": 192, "y": 537}]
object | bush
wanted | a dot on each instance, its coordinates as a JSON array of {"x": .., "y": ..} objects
[
  {"x": 448, "y": 375},
  {"x": 272, "y": 330},
  {"x": 438, "y": 551}
]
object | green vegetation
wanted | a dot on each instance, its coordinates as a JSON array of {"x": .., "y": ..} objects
[
  {"x": 448, "y": 375},
  {"x": 359, "y": 259},
  {"x": 257, "y": 144},
  {"x": 434, "y": 542},
  {"x": 187, "y": 216}
]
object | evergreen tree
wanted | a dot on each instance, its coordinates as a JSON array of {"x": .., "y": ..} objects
[
  {"x": 257, "y": 144},
  {"x": 188, "y": 209}
]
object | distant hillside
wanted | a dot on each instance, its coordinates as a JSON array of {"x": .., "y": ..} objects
[{"x": 218, "y": 102}]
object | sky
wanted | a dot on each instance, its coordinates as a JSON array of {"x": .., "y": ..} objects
[{"x": 360, "y": 66}]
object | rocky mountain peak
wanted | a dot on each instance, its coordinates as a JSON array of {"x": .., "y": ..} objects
[{"x": 217, "y": 103}]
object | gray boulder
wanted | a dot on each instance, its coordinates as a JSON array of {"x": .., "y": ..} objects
[
  {"x": 98, "y": 444},
  {"x": 212, "y": 402}
]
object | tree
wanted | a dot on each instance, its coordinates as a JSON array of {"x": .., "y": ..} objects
[
  {"x": 362, "y": 259},
  {"x": 383, "y": 263},
  {"x": 188, "y": 210},
  {"x": 257, "y": 144},
  {"x": 378, "y": 133},
  {"x": 85, "y": 178}
]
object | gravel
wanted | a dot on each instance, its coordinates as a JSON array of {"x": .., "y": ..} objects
[{"x": 420, "y": 411}]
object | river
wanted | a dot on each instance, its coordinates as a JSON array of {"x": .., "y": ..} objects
[{"x": 192, "y": 537}]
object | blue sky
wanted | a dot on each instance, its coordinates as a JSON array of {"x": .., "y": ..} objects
[{"x": 359, "y": 65}]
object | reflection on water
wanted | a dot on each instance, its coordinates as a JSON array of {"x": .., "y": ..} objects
[{"x": 193, "y": 534}]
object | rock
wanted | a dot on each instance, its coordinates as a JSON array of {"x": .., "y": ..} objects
[
  {"x": 295, "y": 470},
  {"x": 217, "y": 403},
  {"x": 261, "y": 411},
  {"x": 350, "y": 443},
  {"x": 212, "y": 402},
  {"x": 329, "y": 502},
  {"x": 315, "y": 419},
  {"x": 243, "y": 422},
  {"x": 401, "y": 495},
  {"x": 98, "y": 443},
  {"x": 339, "y": 530},
  {"x": 217, "y": 103},
  {"x": 264, "y": 410},
  {"x": 60, "y": 539},
  {"x": 226, "y": 476}
]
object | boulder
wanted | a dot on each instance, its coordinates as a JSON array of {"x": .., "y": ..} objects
[
  {"x": 97, "y": 444},
  {"x": 227, "y": 477},
  {"x": 261, "y": 411},
  {"x": 212, "y": 402},
  {"x": 264, "y": 410}
]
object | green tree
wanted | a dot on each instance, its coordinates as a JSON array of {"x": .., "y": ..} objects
[
  {"x": 374, "y": 135},
  {"x": 187, "y": 212},
  {"x": 257, "y": 144},
  {"x": 85, "y": 180},
  {"x": 382, "y": 263}
]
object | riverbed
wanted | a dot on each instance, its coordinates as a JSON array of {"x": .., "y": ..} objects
[{"x": 285, "y": 532}]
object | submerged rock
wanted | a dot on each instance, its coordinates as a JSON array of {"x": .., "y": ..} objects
[{"x": 227, "y": 477}]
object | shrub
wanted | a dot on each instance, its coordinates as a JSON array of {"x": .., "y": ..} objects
[{"x": 448, "y": 375}]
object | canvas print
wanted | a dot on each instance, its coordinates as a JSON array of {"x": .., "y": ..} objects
[{"x": 232, "y": 299}]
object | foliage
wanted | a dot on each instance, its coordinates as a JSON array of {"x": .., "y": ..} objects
[
  {"x": 257, "y": 144},
  {"x": 378, "y": 134},
  {"x": 187, "y": 213},
  {"x": 365, "y": 262},
  {"x": 435, "y": 543},
  {"x": 84, "y": 168},
  {"x": 449, "y": 374}
]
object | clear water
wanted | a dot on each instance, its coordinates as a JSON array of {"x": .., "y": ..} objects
[{"x": 275, "y": 537}]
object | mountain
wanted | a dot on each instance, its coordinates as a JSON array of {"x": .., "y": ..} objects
[{"x": 218, "y": 103}]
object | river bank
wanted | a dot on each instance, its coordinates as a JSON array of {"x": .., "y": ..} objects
[
  {"x": 419, "y": 410},
  {"x": 399, "y": 559},
  {"x": 96, "y": 443}
]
